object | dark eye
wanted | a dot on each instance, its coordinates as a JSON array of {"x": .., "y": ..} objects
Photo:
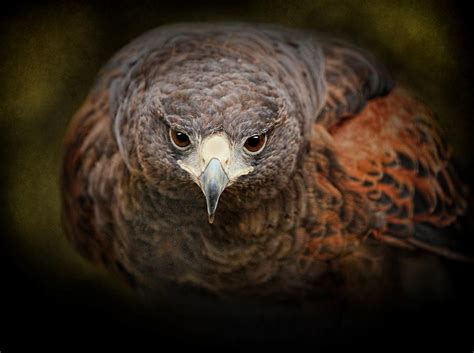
[
  {"x": 255, "y": 143},
  {"x": 179, "y": 139}
]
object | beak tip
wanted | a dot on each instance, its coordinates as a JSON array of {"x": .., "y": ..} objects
[{"x": 211, "y": 218}]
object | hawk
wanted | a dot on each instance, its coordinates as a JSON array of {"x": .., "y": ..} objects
[{"x": 245, "y": 159}]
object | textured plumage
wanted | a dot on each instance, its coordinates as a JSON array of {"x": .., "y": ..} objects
[{"x": 349, "y": 158}]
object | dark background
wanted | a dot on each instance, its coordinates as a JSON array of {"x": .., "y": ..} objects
[{"x": 49, "y": 56}]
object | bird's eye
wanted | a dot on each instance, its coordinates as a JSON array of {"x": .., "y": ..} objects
[
  {"x": 255, "y": 143},
  {"x": 179, "y": 139}
]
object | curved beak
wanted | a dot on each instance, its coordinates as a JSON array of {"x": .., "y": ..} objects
[
  {"x": 213, "y": 181},
  {"x": 213, "y": 168}
]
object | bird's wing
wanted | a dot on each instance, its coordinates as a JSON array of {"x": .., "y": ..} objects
[
  {"x": 352, "y": 77},
  {"x": 89, "y": 152},
  {"x": 395, "y": 156}
]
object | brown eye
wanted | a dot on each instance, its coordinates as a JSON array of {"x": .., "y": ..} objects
[
  {"x": 255, "y": 143},
  {"x": 180, "y": 139}
]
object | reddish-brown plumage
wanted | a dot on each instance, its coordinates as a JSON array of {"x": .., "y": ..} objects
[{"x": 395, "y": 156}]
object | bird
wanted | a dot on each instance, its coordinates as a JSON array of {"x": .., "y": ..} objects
[{"x": 254, "y": 159}]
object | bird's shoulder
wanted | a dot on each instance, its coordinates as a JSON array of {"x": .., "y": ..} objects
[
  {"x": 395, "y": 155},
  {"x": 90, "y": 152}
]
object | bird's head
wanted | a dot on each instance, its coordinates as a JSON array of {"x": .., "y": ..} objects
[{"x": 212, "y": 120}]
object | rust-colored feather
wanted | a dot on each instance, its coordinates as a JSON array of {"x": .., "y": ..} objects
[{"x": 396, "y": 157}]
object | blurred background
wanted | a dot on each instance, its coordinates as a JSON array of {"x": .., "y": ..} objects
[{"x": 50, "y": 55}]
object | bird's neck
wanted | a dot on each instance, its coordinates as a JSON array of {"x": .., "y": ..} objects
[{"x": 308, "y": 219}]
